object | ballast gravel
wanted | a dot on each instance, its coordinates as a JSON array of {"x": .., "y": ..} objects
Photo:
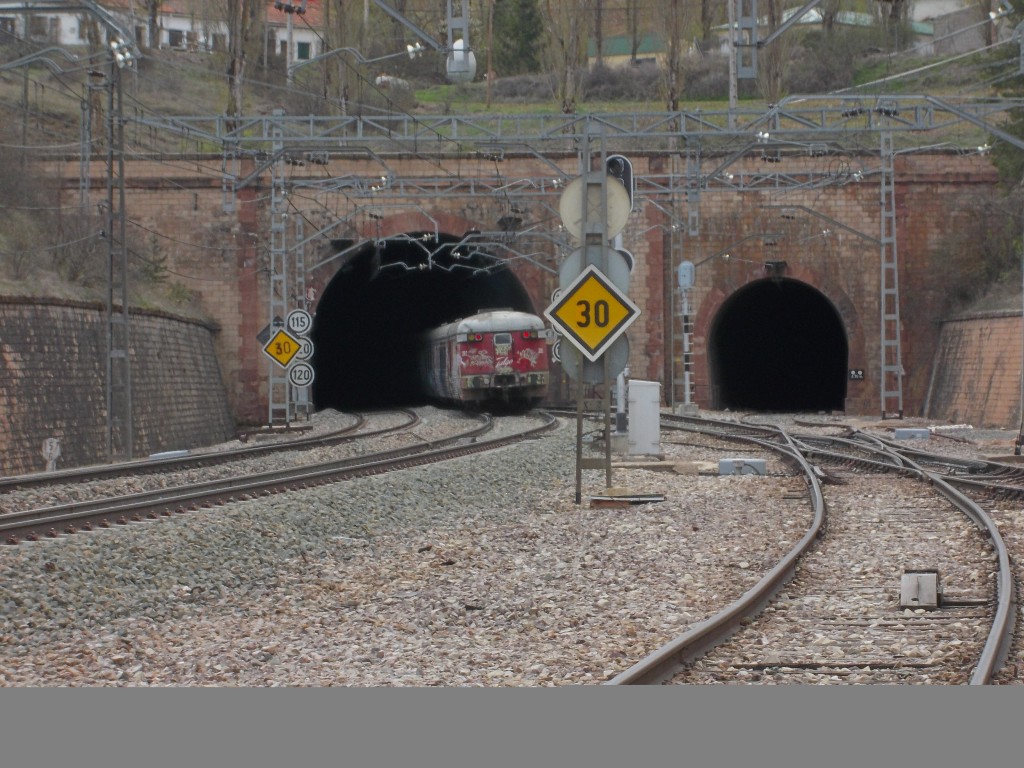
[{"x": 480, "y": 572}]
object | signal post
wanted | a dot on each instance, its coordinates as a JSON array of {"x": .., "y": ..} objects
[{"x": 591, "y": 308}]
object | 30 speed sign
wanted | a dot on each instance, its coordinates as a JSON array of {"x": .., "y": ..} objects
[{"x": 592, "y": 312}]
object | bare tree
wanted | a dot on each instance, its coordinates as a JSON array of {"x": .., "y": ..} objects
[
  {"x": 894, "y": 16},
  {"x": 346, "y": 24},
  {"x": 633, "y": 28},
  {"x": 242, "y": 16},
  {"x": 897, "y": 10},
  {"x": 772, "y": 58},
  {"x": 987, "y": 7},
  {"x": 567, "y": 47},
  {"x": 671, "y": 19},
  {"x": 829, "y": 10},
  {"x": 711, "y": 13},
  {"x": 153, "y": 21}
]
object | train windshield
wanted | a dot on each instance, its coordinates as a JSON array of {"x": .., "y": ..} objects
[{"x": 503, "y": 338}]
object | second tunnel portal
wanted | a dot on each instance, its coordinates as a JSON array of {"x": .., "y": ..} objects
[{"x": 778, "y": 345}]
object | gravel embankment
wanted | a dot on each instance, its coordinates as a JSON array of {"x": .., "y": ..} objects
[{"x": 839, "y": 620}]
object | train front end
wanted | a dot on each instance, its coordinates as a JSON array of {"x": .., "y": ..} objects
[{"x": 503, "y": 360}]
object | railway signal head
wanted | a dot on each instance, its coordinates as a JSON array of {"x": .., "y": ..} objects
[{"x": 619, "y": 167}]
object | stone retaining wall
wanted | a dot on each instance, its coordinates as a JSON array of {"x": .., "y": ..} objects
[
  {"x": 976, "y": 374},
  {"x": 52, "y": 384}
]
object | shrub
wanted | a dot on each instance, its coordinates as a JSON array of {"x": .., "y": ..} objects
[
  {"x": 706, "y": 77},
  {"x": 622, "y": 83},
  {"x": 983, "y": 249},
  {"x": 524, "y": 88},
  {"x": 822, "y": 62}
]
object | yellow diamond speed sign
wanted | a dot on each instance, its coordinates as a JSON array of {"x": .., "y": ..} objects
[
  {"x": 592, "y": 312},
  {"x": 282, "y": 347}
]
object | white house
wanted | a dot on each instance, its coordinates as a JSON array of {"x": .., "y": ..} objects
[
  {"x": 925, "y": 10},
  {"x": 194, "y": 25}
]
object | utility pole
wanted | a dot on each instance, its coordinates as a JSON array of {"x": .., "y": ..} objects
[
  {"x": 490, "y": 48},
  {"x": 120, "y": 431},
  {"x": 732, "y": 64}
]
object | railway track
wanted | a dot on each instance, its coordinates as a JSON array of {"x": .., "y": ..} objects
[
  {"x": 839, "y": 618},
  {"x": 173, "y": 461},
  {"x": 69, "y": 518}
]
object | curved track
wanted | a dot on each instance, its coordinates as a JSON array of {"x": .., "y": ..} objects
[{"x": 840, "y": 616}]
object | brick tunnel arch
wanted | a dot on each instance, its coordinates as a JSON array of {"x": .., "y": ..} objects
[
  {"x": 388, "y": 292},
  {"x": 778, "y": 345}
]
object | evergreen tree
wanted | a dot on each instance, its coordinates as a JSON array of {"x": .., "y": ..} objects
[{"x": 518, "y": 32}]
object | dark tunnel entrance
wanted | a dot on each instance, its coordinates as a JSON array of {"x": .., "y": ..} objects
[
  {"x": 385, "y": 294},
  {"x": 778, "y": 345}
]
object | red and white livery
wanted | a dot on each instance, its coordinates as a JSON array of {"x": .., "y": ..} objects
[{"x": 494, "y": 359}]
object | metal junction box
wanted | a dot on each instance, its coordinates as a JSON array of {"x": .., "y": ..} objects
[
  {"x": 644, "y": 418},
  {"x": 742, "y": 467}
]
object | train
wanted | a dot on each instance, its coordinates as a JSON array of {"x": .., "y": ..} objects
[{"x": 495, "y": 360}]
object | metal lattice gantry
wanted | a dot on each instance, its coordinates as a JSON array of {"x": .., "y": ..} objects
[
  {"x": 279, "y": 405},
  {"x": 844, "y": 119},
  {"x": 120, "y": 429}
]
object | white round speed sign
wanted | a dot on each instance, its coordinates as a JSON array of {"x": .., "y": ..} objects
[
  {"x": 305, "y": 351},
  {"x": 301, "y": 374},
  {"x": 299, "y": 322}
]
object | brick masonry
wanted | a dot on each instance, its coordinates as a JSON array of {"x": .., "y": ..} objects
[
  {"x": 53, "y": 384},
  {"x": 826, "y": 231}
]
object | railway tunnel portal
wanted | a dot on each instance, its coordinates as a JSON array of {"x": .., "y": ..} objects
[
  {"x": 778, "y": 345},
  {"x": 505, "y": 179},
  {"x": 382, "y": 298}
]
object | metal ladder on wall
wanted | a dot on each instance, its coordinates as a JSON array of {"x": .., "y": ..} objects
[
  {"x": 891, "y": 385},
  {"x": 687, "y": 323},
  {"x": 693, "y": 192}
]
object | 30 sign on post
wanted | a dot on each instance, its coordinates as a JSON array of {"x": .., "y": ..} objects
[{"x": 592, "y": 312}]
